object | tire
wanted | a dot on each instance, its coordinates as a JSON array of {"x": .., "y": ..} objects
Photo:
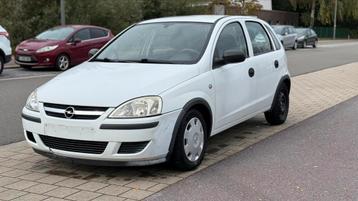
[
  {"x": 314, "y": 44},
  {"x": 2, "y": 62},
  {"x": 294, "y": 46},
  {"x": 183, "y": 157},
  {"x": 63, "y": 62},
  {"x": 278, "y": 113}
]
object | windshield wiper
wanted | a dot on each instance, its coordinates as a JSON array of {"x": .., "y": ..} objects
[
  {"x": 155, "y": 61},
  {"x": 104, "y": 60}
]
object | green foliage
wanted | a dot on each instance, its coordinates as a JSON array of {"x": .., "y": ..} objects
[{"x": 26, "y": 18}]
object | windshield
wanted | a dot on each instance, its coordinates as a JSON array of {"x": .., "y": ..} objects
[
  {"x": 301, "y": 31},
  {"x": 279, "y": 29},
  {"x": 58, "y": 33},
  {"x": 177, "y": 43}
]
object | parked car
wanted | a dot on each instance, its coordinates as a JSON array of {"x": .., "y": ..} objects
[
  {"x": 61, "y": 46},
  {"x": 5, "y": 48},
  {"x": 306, "y": 37},
  {"x": 287, "y": 35},
  {"x": 157, "y": 92}
]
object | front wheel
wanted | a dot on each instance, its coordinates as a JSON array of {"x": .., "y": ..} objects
[
  {"x": 63, "y": 62},
  {"x": 191, "y": 141},
  {"x": 294, "y": 45},
  {"x": 314, "y": 44},
  {"x": 278, "y": 113}
]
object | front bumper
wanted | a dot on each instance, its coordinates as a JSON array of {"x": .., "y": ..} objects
[
  {"x": 37, "y": 59},
  {"x": 157, "y": 131}
]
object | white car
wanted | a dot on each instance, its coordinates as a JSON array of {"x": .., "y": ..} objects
[
  {"x": 5, "y": 48},
  {"x": 159, "y": 90}
]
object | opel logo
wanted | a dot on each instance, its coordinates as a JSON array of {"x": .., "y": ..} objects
[{"x": 69, "y": 112}]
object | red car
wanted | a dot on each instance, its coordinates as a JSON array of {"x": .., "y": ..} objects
[{"x": 61, "y": 46}]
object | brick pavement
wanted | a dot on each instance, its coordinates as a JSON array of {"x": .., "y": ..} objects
[{"x": 25, "y": 175}]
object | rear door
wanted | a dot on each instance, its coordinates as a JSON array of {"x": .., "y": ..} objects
[
  {"x": 265, "y": 63},
  {"x": 99, "y": 37},
  {"x": 79, "y": 51}
]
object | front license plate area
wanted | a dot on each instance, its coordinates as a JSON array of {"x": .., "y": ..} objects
[
  {"x": 69, "y": 132},
  {"x": 25, "y": 58}
]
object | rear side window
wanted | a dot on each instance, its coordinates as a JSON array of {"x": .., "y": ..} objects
[
  {"x": 232, "y": 37},
  {"x": 273, "y": 36},
  {"x": 83, "y": 34},
  {"x": 261, "y": 43},
  {"x": 98, "y": 33}
]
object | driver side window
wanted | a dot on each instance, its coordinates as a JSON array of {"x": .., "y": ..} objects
[
  {"x": 82, "y": 35},
  {"x": 232, "y": 37}
]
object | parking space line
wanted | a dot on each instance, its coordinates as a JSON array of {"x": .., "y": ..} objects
[{"x": 27, "y": 77}]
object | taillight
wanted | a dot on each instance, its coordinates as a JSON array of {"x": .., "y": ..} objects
[{"x": 6, "y": 34}]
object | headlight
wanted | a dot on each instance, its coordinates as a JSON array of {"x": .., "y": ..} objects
[
  {"x": 47, "y": 49},
  {"x": 301, "y": 38},
  {"x": 139, "y": 107},
  {"x": 32, "y": 103}
]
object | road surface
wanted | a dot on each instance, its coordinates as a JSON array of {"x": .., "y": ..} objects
[{"x": 313, "y": 160}]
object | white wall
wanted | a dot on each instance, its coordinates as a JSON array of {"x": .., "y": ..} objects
[{"x": 267, "y": 4}]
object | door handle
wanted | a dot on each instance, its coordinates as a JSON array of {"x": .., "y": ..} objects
[
  {"x": 277, "y": 64},
  {"x": 251, "y": 72}
]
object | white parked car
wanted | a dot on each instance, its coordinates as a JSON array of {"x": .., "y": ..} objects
[
  {"x": 159, "y": 90},
  {"x": 5, "y": 48}
]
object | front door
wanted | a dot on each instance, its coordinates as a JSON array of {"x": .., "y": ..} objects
[
  {"x": 80, "y": 45},
  {"x": 234, "y": 87}
]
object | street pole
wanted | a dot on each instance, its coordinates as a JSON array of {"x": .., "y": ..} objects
[
  {"x": 63, "y": 18},
  {"x": 335, "y": 20}
]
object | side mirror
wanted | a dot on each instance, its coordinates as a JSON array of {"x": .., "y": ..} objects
[
  {"x": 286, "y": 33},
  {"x": 76, "y": 41},
  {"x": 92, "y": 52},
  {"x": 234, "y": 56}
]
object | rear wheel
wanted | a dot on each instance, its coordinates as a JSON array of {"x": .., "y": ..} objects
[
  {"x": 2, "y": 61},
  {"x": 63, "y": 62},
  {"x": 278, "y": 113},
  {"x": 191, "y": 141}
]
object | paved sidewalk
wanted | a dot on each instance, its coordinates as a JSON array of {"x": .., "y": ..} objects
[{"x": 28, "y": 176}]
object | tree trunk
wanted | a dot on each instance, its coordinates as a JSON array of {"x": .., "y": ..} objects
[{"x": 313, "y": 9}]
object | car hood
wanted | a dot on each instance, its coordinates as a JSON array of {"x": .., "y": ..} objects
[
  {"x": 110, "y": 84},
  {"x": 35, "y": 44}
]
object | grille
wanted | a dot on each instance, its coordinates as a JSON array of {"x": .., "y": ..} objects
[
  {"x": 79, "y": 112},
  {"x": 80, "y": 146},
  {"x": 132, "y": 147}
]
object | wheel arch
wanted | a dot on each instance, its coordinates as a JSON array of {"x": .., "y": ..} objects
[
  {"x": 64, "y": 53},
  {"x": 285, "y": 80},
  {"x": 203, "y": 107}
]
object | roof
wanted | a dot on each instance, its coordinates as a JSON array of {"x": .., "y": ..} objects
[
  {"x": 192, "y": 18},
  {"x": 78, "y": 26}
]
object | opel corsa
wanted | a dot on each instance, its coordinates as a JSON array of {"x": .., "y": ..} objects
[{"x": 159, "y": 90}]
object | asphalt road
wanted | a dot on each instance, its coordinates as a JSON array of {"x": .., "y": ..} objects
[
  {"x": 16, "y": 83},
  {"x": 313, "y": 160}
]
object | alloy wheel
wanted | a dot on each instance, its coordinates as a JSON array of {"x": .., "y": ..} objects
[{"x": 63, "y": 62}]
